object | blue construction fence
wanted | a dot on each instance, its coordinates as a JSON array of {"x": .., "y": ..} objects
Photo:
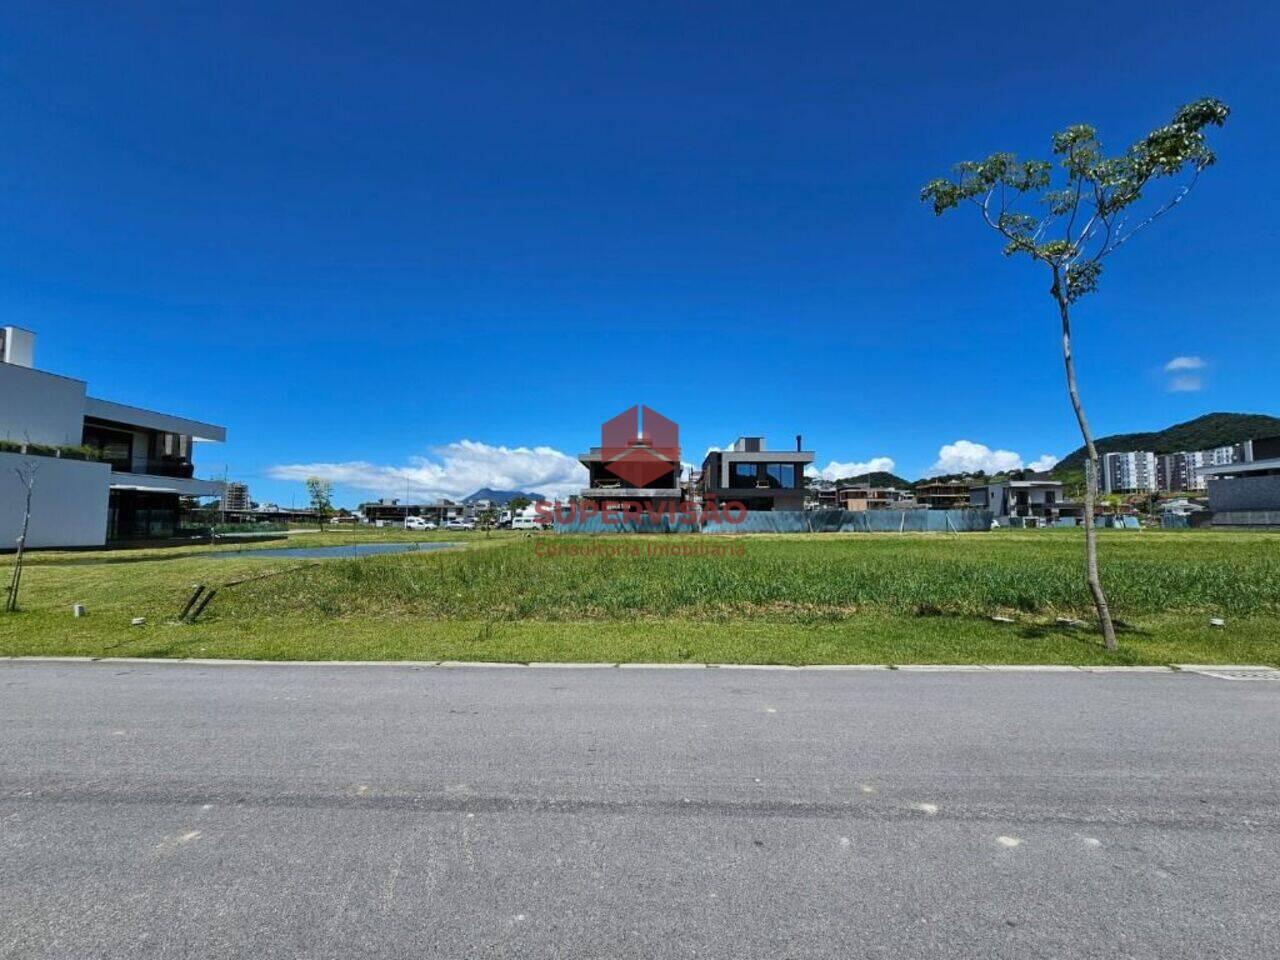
[
  {"x": 796, "y": 521},
  {"x": 1120, "y": 523}
]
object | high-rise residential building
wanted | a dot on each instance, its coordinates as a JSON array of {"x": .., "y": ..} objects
[
  {"x": 1131, "y": 472},
  {"x": 1176, "y": 472},
  {"x": 236, "y": 499}
]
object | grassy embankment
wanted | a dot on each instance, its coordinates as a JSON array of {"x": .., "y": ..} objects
[{"x": 878, "y": 598}]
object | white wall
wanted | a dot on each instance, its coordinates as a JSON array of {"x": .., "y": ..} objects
[
  {"x": 68, "y": 505},
  {"x": 40, "y": 407},
  {"x": 17, "y": 346}
]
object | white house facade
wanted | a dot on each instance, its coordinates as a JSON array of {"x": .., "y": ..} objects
[{"x": 104, "y": 471}]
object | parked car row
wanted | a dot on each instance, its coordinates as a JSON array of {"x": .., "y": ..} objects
[
  {"x": 523, "y": 520},
  {"x": 421, "y": 523}
]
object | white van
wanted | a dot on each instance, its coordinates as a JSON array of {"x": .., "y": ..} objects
[{"x": 529, "y": 519}]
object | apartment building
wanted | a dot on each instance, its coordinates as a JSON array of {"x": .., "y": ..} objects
[
  {"x": 1131, "y": 472},
  {"x": 758, "y": 478},
  {"x": 1179, "y": 472},
  {"x": 104, "y": 471}
]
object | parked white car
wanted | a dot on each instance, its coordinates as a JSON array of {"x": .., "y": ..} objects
[
  {"x": 418, "y": 523},
  {"x": 459, "y": 524}
]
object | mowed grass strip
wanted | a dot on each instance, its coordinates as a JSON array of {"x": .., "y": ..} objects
[
  {"x": 880, "y": 598},
  {"x": 865, "y": 638}
]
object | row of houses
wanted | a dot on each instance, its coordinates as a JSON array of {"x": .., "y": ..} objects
[
  {"x": 774, "y": 480},
  {"x": 1027, "y": 502},
  {"x": 110, "y": 472},
  {"x": 765, "y": 480},
  {"x": 648, "y": 472}
]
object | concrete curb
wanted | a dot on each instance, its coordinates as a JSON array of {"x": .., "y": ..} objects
[{"x": 542, "y": 665}]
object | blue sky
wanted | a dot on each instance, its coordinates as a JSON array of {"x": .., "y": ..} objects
[{"x": 360, "y": 237}]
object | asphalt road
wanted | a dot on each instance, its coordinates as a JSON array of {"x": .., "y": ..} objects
[{"x": 321, "y": 811}]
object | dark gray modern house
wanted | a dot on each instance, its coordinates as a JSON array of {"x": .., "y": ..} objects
[
  {"x": 758, "y": 478},
  {"x": 1247, "y": 494}
]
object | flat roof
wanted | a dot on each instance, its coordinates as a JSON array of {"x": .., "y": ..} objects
[
  {"x": 151, "y": 420},
  {"x": 1228, "y": 469},
  {"x": 762, "y": 456}
]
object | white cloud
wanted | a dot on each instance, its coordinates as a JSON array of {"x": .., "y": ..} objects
[
  {"x": 965, "y": 456},
  {"x": 453, "y": 471},
  {"x": 1046, "y": 461},
  {"x": 1185, "y": 384},
  {"x": 836, "y": 470},
  {"x": 1184, "y": 363}
]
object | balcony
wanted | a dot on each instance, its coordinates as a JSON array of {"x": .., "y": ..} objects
[
  {"x": 177, "y": 469},
  {"x": 630, "y": 493},
  {"x": 186, "y": 486}
]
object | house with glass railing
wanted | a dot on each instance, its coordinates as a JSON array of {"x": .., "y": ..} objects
[{"x": 103, "y": 471}]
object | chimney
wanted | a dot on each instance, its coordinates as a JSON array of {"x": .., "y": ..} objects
[
  {"x": 799, "y": 443},
  {"x": 17, "y": 346}
]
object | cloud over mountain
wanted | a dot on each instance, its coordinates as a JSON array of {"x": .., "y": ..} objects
[{"x": 452, "y": 471}]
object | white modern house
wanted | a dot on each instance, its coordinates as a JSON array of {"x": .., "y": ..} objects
[
  {"x": 1033, "y": 502},
  {"x": 104, "y": 471}
]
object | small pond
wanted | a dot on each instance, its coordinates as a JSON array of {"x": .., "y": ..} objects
[{"x": 348, "y": 551}]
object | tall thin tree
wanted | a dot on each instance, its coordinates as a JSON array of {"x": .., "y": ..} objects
[
  {"x": 27, "y": 477},
  {"x": 1083, "y": 218}
]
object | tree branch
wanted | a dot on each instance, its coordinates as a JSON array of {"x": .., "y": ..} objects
[{"x": 1177, "y": 199}]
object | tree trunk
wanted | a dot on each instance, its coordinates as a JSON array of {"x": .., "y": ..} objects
[
  {"x": 11, "y": 603},
  {"x": 1091, "y": 475}
]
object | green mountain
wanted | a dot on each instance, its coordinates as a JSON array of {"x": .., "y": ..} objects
[
  {"x": 878, "y": 478},
  {"x": 1211, "y": 430}
]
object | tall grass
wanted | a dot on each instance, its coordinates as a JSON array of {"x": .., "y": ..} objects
[{"x": 791, "y": 578}]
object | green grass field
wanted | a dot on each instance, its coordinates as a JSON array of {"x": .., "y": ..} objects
[{"x": 879, "y": 598}]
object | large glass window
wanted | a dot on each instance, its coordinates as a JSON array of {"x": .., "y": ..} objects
[
  {"x": 113, "y": 446},
  {"x": 782, "y": 475},
  {"x": 170, "y": 455},
  {"x": 172, "y": 446},
  {"x": 743, "y": 474}
]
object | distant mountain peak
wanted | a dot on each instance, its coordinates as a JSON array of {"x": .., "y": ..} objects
[{"x": 500, "y": 496}]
